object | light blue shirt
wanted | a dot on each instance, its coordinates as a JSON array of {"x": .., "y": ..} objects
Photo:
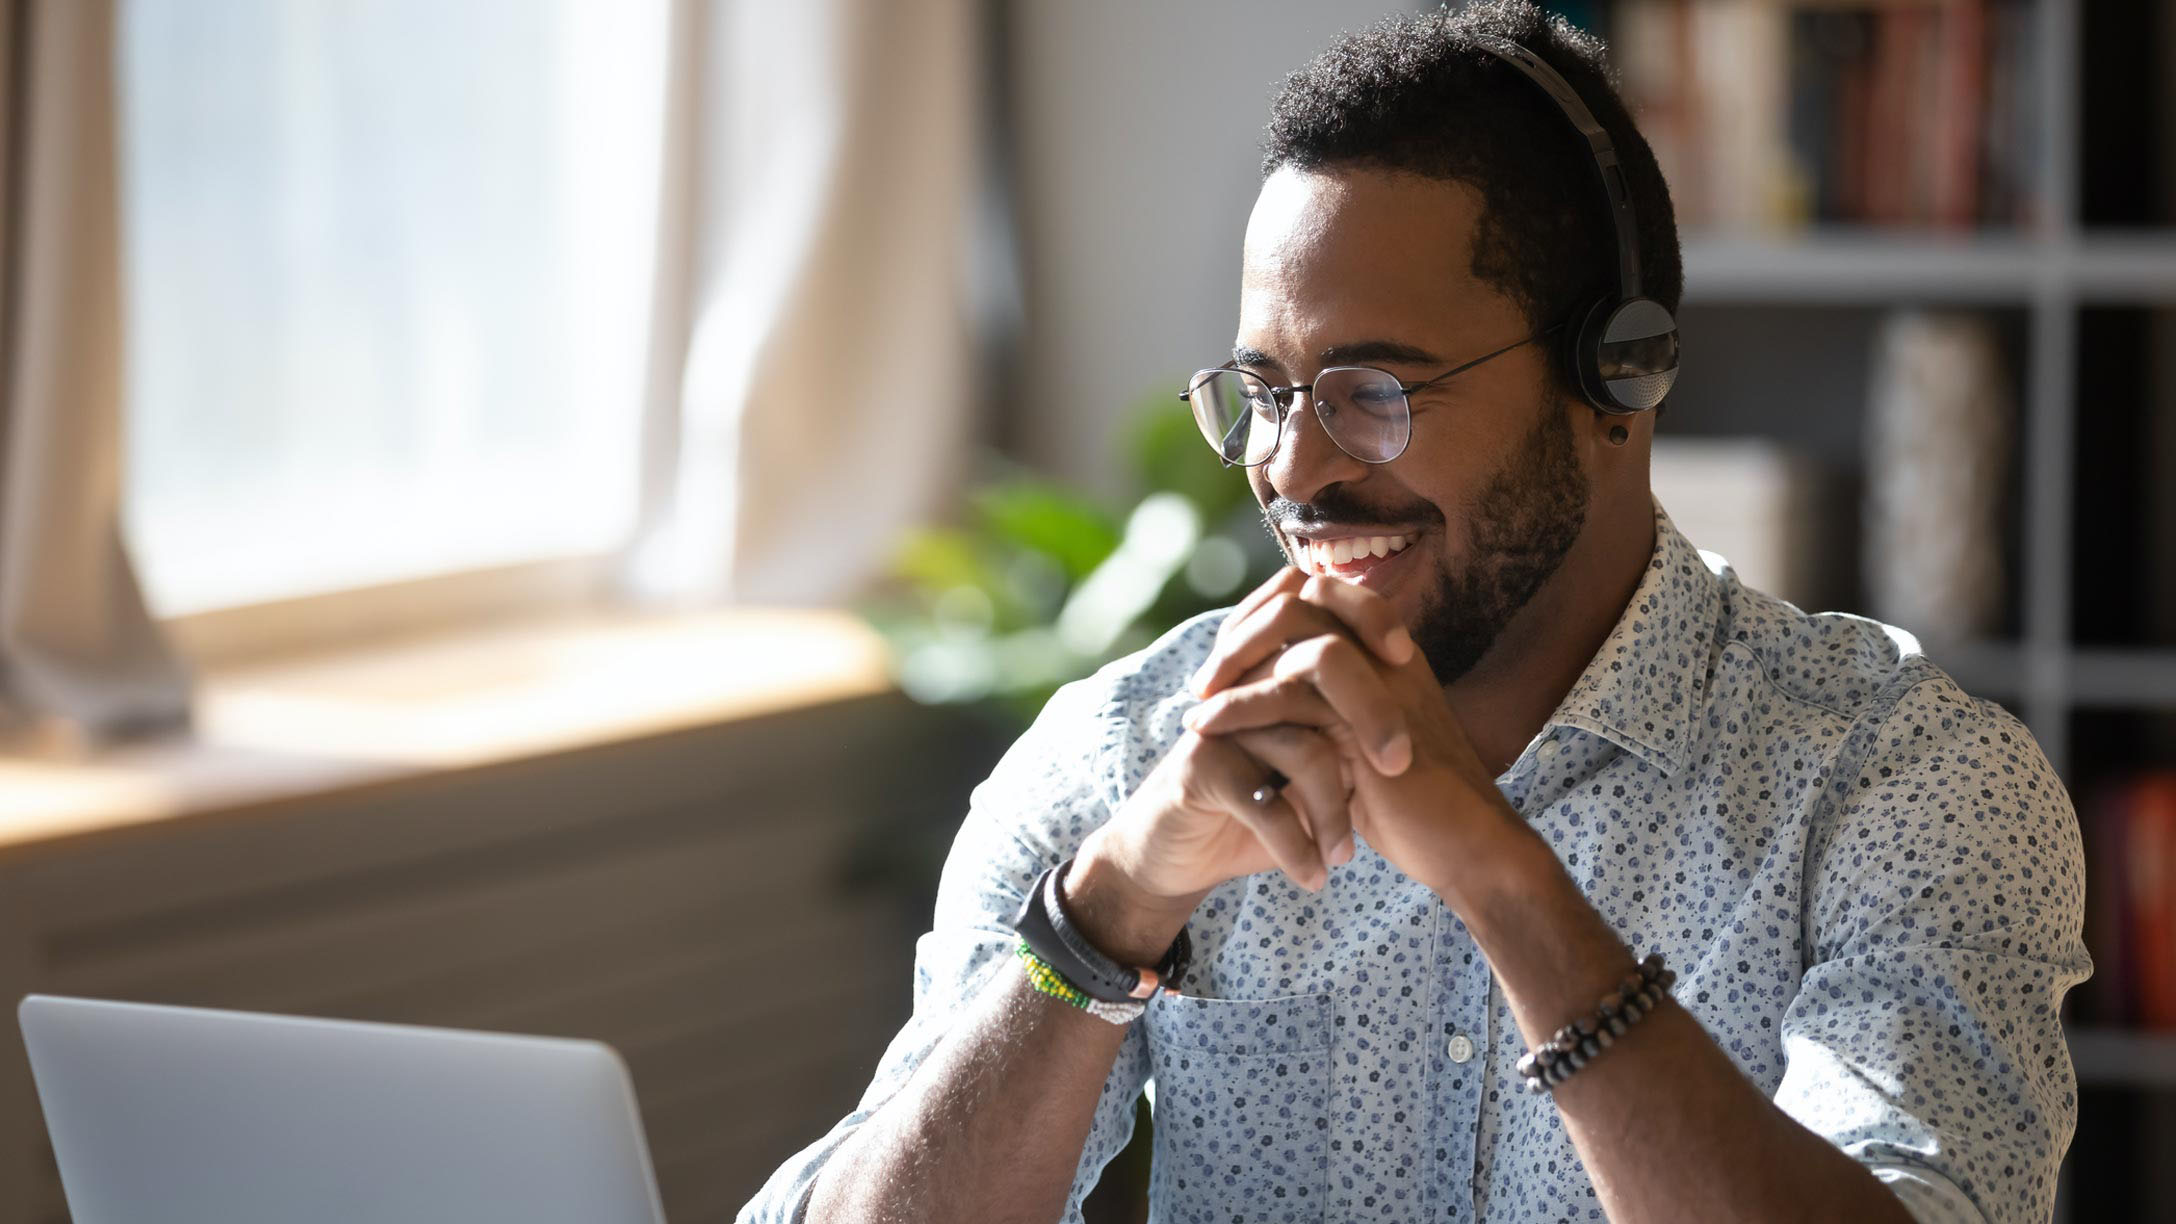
[{"x": 1870, "y": 883}]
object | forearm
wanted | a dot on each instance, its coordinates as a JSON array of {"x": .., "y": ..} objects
[
  {"x": 992, "y": 1124},
  {"x": 1666, "y": 1124}
]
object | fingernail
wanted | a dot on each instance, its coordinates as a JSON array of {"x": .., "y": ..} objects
[
  {"x": 1195, "y": 681},
  {"x": 1397, "y": 753},
  {"x": 1399, "y": 646}
]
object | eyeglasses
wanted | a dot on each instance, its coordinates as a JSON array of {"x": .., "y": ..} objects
[{"x": 1363, "y": 409}]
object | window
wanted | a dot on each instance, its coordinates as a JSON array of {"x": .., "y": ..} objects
[{"x": 387, "y": 268}]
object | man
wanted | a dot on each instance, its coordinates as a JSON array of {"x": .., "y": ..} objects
[{"x": 1450, "y": 783}]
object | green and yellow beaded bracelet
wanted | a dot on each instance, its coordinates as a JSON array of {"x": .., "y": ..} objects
[{"x": 1047, "y": 980}]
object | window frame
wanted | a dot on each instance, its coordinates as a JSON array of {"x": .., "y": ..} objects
[{"x": 455, "y": 600}]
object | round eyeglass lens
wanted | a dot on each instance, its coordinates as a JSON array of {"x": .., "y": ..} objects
[
  {"x": 1237, "y": 414},
  {"x": 1364, "y": 412}
]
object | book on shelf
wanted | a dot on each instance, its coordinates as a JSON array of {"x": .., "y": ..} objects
[
  {"x": 1777, "y": 114},
  {"x": 1753, "y": 501},
  {"x": 2130, "y": 924},
  {"x": 1940, "y": 420}
]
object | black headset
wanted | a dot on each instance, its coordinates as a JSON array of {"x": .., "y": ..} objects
[{"x": 1622, "y": 350}]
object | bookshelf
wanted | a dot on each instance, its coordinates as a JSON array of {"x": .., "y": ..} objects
[
  {"x": 2099, "y": 695},
  {"x": 2112, "y": 1057},
  {"x": 1874, "y": 267}
]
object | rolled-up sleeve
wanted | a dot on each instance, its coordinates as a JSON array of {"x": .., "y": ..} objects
[
  {"x": 1043, "y": 798},
  {"x": 1945, "y": 891}
]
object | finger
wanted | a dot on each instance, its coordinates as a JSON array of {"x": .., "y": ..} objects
[
  {"x": 1318, "y": 683},
  {"x": 1287, "y": 580},
  {"x": 1231, "y": 778},
  {"x": 1315, "y": 779},
  {"x": 1276, "y": 825},
  {"x": 1346, "y": 678},
  {"x": 1316, "y": 782},
  {"x": 1264, "y": 698},
  {"x": 1279, "y": 620},
  {"x": 1370, "y": 617}
]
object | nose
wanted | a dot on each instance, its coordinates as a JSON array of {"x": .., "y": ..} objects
[{"x": 1308, "y": 459}]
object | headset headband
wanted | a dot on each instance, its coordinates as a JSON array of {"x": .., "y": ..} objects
[{"x": 1605, "y": 153}]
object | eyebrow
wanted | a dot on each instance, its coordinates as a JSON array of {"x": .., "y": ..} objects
[
  {"x": 1358, "y": 352},
  {"x": 1379, "y": 350}
]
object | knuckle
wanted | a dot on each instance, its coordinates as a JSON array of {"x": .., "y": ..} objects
[
  {"x": 1279, "y": 739},
  {"x": 1307, "y": 655},
  {"x": 1199, "y": 758},
  {"x": 1340, "y": 650}
]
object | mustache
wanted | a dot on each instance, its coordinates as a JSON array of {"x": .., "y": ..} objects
[{"x": 1338, "y": 511}]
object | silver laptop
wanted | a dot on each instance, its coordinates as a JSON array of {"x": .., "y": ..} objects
[{"x": 179, "y": 1115}]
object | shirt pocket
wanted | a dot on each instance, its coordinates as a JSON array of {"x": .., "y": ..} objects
[{"x": 1242, "y": 1103}]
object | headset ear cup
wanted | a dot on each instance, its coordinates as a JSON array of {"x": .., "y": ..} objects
[
  {"x": 1585, "y": 355},
  {"x": 1637, "y": 354}
]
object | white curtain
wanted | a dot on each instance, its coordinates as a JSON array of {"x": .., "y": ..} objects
[
  {"x": 811, "y": 387},
  {"x": 81, "y": 659}
]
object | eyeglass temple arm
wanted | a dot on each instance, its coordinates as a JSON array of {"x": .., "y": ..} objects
[
  {"x": 1283, "y": 394},
  {"x": 1411, "y": 388}
]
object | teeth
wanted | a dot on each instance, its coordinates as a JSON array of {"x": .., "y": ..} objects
[{"x": 1327, "y": 553}]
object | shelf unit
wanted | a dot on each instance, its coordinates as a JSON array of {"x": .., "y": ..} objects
[
  {"x": 1870, "y": 266},
  {"x": 2048, "y": 274},
  {"x": 2123, "y": 1058},
  {"x": 2044, "y": 275}
]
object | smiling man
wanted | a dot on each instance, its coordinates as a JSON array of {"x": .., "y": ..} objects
[{"x": 1505, "y": 857}]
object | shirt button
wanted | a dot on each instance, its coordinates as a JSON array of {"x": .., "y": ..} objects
[
  {"x": 1461, "y": 1048},
  {"x": 1548, "y": 750}
]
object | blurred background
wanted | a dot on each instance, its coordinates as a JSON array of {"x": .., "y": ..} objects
[{"x": 534, "y": 514}]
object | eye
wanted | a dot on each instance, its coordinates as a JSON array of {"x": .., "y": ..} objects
[{"x": 1376, "y": 397}]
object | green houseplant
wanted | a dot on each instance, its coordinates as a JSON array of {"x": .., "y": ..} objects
[{"x": 1042, "y": 584}]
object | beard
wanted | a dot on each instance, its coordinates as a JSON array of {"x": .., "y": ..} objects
[{"x": 1519, "y": 528}]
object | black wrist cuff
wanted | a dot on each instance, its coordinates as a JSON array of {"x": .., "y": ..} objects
[{"x": 1044, "y": 924}]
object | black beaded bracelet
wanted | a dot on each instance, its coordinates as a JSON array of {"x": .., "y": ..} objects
[{"x": 1574, "y": 1045}]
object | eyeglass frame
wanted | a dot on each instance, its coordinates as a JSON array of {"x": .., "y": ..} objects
[{"x": 1284, "y": 397}]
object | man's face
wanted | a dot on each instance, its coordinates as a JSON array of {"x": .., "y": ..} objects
[{"x": 1368, "y": 267}]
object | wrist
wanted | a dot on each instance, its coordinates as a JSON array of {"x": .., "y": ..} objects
[
  {"x": 1506, "y": 862},
  {"x": 1123, "y": 921}
]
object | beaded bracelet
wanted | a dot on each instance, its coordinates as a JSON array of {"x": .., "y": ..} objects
[
  {"x": 1047, "y": 980},
  {"x": 1574, "y": 1045}
]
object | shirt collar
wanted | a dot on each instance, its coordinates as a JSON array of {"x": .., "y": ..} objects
[{"x": 1646, "y": 686}]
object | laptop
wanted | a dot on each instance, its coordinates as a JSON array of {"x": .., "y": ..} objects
[{"x": 180, "y": 1115}]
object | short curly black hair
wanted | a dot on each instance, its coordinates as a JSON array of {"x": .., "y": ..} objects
[{"x": 1416, "y": 93}]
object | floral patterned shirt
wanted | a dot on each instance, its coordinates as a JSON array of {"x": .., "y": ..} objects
[{"x": 1870, "y": 883}]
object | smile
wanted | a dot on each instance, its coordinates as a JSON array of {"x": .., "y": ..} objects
[{"x": 1368, "y": 561}]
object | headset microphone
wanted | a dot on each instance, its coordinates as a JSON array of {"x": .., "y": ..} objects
[{"x": 1623, "y": 349}]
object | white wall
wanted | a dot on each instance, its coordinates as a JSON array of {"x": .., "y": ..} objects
[{"x": 1137, "y": 131}]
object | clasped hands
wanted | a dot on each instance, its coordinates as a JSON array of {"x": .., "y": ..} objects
[{"x": 1308, "y": 662}]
